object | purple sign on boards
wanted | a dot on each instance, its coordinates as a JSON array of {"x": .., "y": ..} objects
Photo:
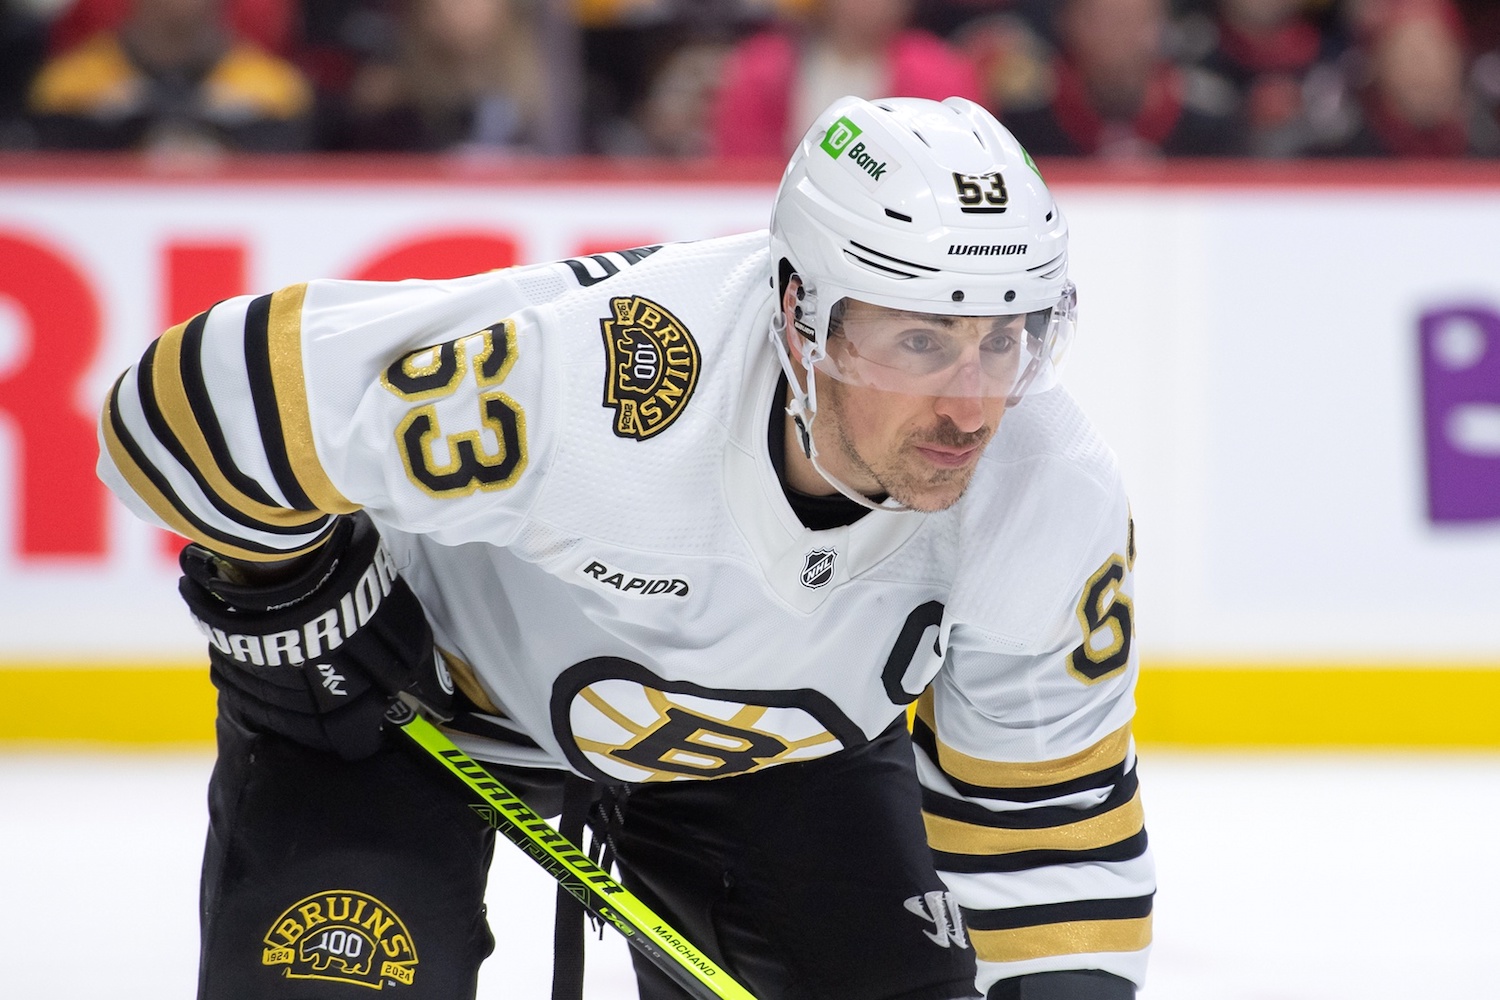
[{"x": 1461, "y": 413}]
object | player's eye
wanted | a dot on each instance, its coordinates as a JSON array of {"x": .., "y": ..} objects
[
  {"x": 919, "y": 342},
  {"x": 998, "y": 343}
]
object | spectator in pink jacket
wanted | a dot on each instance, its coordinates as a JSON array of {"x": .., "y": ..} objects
[{"x": 776, "y": 82}]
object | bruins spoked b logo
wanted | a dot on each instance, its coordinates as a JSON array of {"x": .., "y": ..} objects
[
  {"x": 651, "y": 366},
  {"x": 342, "y": 936},
  {"x": 617, "y": 721}
]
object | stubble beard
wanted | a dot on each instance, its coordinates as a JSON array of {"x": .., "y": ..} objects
[{"x": 904, "y": 475}]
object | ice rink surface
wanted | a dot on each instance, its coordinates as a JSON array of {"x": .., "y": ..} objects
[{"x": 1283, "y": 877}]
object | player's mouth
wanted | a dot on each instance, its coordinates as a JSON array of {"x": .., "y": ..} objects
[
  {"x": 946, "y": 447},
  {"x": 947, "y": 457}
]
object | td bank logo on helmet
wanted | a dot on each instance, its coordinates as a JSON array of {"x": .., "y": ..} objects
[
  {"x": 843, "y": 137},
  {"x": 840, "y": 134}
]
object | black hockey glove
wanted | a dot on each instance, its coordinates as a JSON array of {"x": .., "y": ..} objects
[{"x": 317, "y": 658}]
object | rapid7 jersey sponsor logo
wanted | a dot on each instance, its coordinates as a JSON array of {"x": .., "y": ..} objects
[{"x": 632, "y": 584}]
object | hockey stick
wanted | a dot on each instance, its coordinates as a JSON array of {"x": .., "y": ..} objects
[{"x": 600, "y": 894}]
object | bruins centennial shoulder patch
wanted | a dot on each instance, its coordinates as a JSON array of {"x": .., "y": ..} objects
[
  {"x": 343, "y": 936},
  {"x": 651, "y": 366}
]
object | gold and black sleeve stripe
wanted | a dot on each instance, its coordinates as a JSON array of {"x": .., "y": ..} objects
[
  {"x": 1097, "y": 766},
  {"x": 186, "y": 430},
  {"x": 164, "y": 403},
  {"x": 1079, "y": 927},
  {"x": 967, "y": 837},
  {"x": 273, "y": 360},
  {"x": 183, "y": 395},
  {"x": 153, "y": 487}
]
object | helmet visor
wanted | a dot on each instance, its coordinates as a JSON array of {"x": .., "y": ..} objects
[{"x": 929, "y": 354}]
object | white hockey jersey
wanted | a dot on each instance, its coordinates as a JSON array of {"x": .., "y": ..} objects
[{"x": 569, "y": 463}]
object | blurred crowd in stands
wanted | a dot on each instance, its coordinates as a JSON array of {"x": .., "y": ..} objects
[{"x": 1116, "y": 79}]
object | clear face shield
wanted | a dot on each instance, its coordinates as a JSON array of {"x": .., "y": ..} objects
[{"x": 929, "y": 354}]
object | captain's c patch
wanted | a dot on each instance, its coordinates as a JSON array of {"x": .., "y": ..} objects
[
  {"x": 651, "y": 366},
  {"x": 342, "y": 936}
]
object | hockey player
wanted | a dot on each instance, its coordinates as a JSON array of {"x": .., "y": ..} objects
[{"x": 695, "y": 523}]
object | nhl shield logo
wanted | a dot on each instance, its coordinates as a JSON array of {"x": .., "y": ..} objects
[{"x": 817, "y": 570}]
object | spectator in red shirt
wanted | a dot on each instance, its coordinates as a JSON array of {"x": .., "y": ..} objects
[{"x": 776, "y": 82}]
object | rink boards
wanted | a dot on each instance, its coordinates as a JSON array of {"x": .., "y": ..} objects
[{"x": 1299, "y": 370}]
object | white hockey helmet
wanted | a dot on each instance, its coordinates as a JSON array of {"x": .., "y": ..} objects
[{"x": 924, "y": 207}]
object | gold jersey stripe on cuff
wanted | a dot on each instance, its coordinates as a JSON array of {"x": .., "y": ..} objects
[
  {"x": 955, "y": 837},
  {"x": 165, "y": 509},
  {"x": 1107, "y": 753},
  {"x": 284, "y": 348},
  {"x": 172, "y": 400},
  {"x": 1079, "y": 937}
]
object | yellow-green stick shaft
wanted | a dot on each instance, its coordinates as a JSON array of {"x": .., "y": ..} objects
[{"x": 584, "y": 880}]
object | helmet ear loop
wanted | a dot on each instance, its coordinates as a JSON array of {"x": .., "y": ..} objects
[
  {"x": 1023, "y": 383},
  {"x": 803, "y": 408},
  {"x": 804, "y": 405},
  {"x": 1040, "y": 359}
]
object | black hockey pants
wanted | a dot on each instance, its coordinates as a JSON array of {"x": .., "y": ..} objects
[{"x": 329, "y": 879}]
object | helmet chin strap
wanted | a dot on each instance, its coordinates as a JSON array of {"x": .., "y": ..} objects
[{"x": 803, "y": 409}]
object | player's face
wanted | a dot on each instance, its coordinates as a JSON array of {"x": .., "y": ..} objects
[{"x": 920, "y": 448}]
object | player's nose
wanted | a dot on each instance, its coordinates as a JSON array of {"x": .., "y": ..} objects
[{"x": 965, "y": 412}]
